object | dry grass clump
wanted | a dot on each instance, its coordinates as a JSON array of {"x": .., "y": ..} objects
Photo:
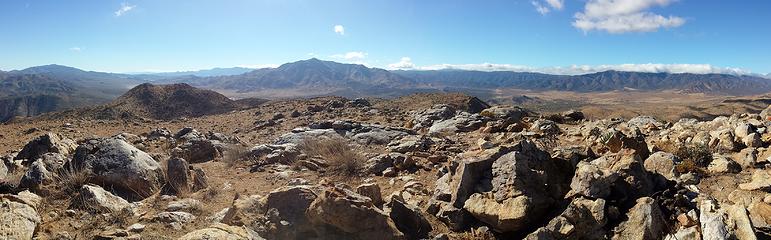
[
  {"x": 11, "y": 181},
  {"x": 475, "y": 234},
  {"x": 67, "y": 182},
  {"x": 339, "y": 155},
  {"x": 238, "y": 153}
]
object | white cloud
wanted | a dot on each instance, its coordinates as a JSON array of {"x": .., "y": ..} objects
[
  {"x": 76, "y": 49},
  {"x": 585, "y": 69},
  {"x": 351, "y": 56},
  {"x": 124, "y": 8},
  {"x": 556, "y": 4},
  {"x": 339, "y": 29},
  {"x": 545, "y": 6},
  {"x": 403, "y": 64},
  {"x": 621, "y": 16},
  {"x": 543, "y": 10}
]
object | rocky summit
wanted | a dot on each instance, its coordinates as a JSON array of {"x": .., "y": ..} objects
[{"x": 423, "y": 166}]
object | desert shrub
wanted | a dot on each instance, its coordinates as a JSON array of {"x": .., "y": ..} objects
[
  {"x": 339, "y": 156},
  {"x": 694, "y": 158}
]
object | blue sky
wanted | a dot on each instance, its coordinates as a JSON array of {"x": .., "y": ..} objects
[{"x": 540, "y": 35}]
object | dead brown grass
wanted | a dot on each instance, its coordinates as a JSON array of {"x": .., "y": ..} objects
[
  {"x": 475, "y": 234},
  {"x": 67, "y": 182},
  {"x": 236, "y": 154},
  {"x": 339, "y": 155}
]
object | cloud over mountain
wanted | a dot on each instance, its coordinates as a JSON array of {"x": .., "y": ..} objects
[{"x": 622, "y": 16}]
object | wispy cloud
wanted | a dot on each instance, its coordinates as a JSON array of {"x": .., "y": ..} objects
[
  {"x": 124, "y": 8},
  {"x": 622, "y": 16},
  {"x": 545, "y": 6},
  {"x": 76, "y": 49},
  {"x": 404, "y": 64},
  {"x": 339, "y": 29}
]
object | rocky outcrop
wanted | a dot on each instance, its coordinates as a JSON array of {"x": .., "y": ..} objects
[
  {"x": 48, "y": 143},
  {"x": 116, "y": 165},
  {"x": 409, "y": 219},
  {"x": 18, "y": 218},
  {"x": 645, "y": 221},
  {"x": 341, "y": 212},
  {"x": 582, "y": 219}
]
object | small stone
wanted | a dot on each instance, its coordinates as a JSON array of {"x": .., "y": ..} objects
[
  {"x": 136, "y": 227},
  {"x": 389, "y": 172}
]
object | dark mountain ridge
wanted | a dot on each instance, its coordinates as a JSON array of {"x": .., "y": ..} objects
[
  {"x": 595, "y": 82},
  {"x": 306, "y": 74}
]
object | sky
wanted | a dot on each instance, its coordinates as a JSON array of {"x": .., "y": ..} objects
[{"x": 555, "y": 36}]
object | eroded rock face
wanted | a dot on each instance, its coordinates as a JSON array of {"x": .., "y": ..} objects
[
  {"x": 645, "y": 221},
  {"x": 179, "y": 179},
  {"x": 341, "y": 212},
  {"x": 96, "y": 200},
  {"x": 582, "y": 219},
  {"x": 462, "y": 122},
  {"x": 662, "y": 163},
  {"x": 761, "y": 179},
  {"x": 18, "y": 218},
  {"x": 36, "y": 175},
  {"x": 290, "y": 204},
  {"x": 198, "y": 150},
  {"x": 48, "y": 143},
  {"x": 712, "y": 220},
  {"x": 219, "y": 231},
  {"x": 409, "y": 219},
  {"x": 116, "y": 165},
  {"x": 524, "y": 184}
]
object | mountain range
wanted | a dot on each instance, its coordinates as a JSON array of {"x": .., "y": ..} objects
[
  {"x": 202, "y": 73},
  {"x": 36, "y": 90}
]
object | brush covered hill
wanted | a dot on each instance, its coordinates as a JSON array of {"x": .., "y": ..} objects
[{"x": 173, "y": 101}]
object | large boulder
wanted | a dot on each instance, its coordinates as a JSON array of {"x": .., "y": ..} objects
[
  {"x": 723, "y": 164},
  {"x": 616, "y": 141},
  {"x": 97, "y": 200},
  {"x": 220, "y": 231},
  {"x": 663, "y": 164},
  {"x": 525, "y": 183},
  {"x": 48, "y": 143},
  {"x": 592, "y": 181},
  {"x": 290, "y": 205},
  {"x": 183, "y": 178},
  {"x": 120, "y": 167},
  {"x": 36, "y": 175},
  {"x": 582, "y": 219},
  {"x": 426, "y": 118},
  {"x": 462, "y": 122},
  {"x": 761, "y": 179},
  {"x": 199, "y": 150},
  {"x": 645, "y": 221},
  {"x": 712, "y": 220},
  {"x": 409, "y": 219},
  {"x": 633, "y": 180},
  {"x": 18, "y": 218},
  {"x": 347, "y": 215}
]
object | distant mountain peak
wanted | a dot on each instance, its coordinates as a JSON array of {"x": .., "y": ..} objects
[{"x": 50, "y": 68}]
